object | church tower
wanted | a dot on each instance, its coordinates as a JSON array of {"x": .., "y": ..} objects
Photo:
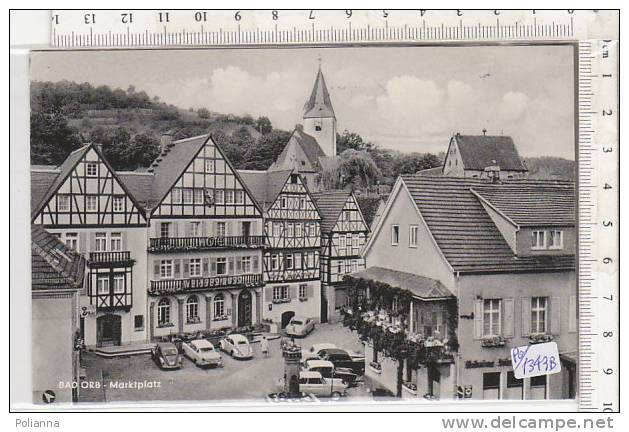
[{"x": 319, "y": 119}]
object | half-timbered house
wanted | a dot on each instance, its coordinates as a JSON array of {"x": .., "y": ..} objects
[
  {"x": 84, "y": 202},
  {"x": 343, "y": 235},
  {"x": 204, "y": 241},
  {"x": 292, "y": 244}
]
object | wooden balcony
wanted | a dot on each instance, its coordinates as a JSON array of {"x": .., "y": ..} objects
[
  {"x": 113, "y": 301},
  {"x": 170, "y": 286},
  {"x": 110, "y": 259},
  {"x": 183, "y": 244}
]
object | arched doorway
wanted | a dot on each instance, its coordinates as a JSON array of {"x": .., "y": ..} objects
[
  {"x": 244, "y": 308},
  {"x": 108, "y": 330},
  {"x": 286, "y": 317}
]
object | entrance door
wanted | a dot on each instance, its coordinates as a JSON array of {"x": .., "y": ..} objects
[
  {"x": 108, "y": 330},
  {"x": 286, "y": 317},
  {"x": 244, "y": 308}
]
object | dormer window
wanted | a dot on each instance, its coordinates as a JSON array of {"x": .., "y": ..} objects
[
  {"x": 555, "y": 239},
  {"x": 538, "y": 240}
]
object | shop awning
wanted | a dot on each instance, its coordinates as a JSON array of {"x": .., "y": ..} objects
[{"x": 422, "y": 287}]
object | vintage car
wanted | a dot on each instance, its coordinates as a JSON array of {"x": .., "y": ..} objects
[
  {"x": 166, "y": 355},
  {"x": 202, "y": 353},
  {"x": 343, "y": 358},
  {"x": 300, "y": 327},
  {"x": 314, "y": 383},
  {"x": 313, "y": 352},
  {"x": 328, "y": 370},
  {"x": 237, "y": 346}
]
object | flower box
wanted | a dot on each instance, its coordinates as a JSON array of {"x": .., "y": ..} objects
[
  {"x": 375, "y": 367},
  {"x": 193, "y": 320},
  {"x": 493, "y": 342},
  {"x": 219, "y": 318},
  {"x": 164, "y": 325},
  {"x": 280, "y": 301},
  {"x": 538, "y": 338},
  {"x": 303, "y": 299}
]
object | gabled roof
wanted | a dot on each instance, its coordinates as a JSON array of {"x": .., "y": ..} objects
[
  {"x": 421, "y": 287},
  {"x": 319, "y": 104},
  {"x": 54, "y": 265},
  {"x": 64, "y": 170},
  {"x": 168, "y": 167},
  {"x": 310, "y": 147},
  {"x": 532, "y": 203},
  {"x": 265, "y": 186},
  {"x": 330, "y": 204},
  {"x": 466, "y": 234},
  {"x": 480, "y": 151}
]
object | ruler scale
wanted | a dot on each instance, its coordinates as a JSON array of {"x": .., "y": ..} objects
[{"x": 596, "y": 104}]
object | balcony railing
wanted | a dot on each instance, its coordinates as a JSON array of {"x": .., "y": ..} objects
[
  {"x": 179, "y": 244},
  {"x": 105, "y": 259},
  {"x": 169, "y": 286}
]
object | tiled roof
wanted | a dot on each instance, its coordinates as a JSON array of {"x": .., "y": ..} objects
[
  {"x": 64, "y": 170},
  {"x": 168, "y": 166},
  {"x": 480, "y": 151},
  {"x": 265, "y": 185},
  {"x": 311, "y": 148},
  {"x": 40, "y": 183},
  {"x": 420, "y": 286},
  {"x": 465, "y": 233},
  {"x": 140, "y": 185},
  {"x": 330, "y": 204},
  {"x": 319, "y": 104},
  {"x": 533, "y": 204},
  {"x": 54, "y": 265}
]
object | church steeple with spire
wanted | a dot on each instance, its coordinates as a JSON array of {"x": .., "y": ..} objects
[{"x": 319, "y": 119}]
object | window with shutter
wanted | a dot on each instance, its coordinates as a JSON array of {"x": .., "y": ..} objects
[
  {"x": 206, "y": 269},
  {"x": 177, "y": 269},
  {"x": 555, "y": 315},
  {"x": 525, "y": 327},
  {"x": 186, "y": 268},
  {"x": 509, "y": 329},
  {"x": 156, "y": 274},
  {"x": 478, "y": 319}
]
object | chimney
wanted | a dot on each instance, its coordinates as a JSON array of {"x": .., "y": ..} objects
[{"x": 165, "y": 140}]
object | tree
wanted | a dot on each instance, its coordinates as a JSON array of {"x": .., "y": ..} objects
[
  {"x": 410, "y": 163},
  {"x": 351, "y": 140},
  {"x": 358, "y": 168},
  {"x": 52, "y": 139},
  {"x": 203, "y": 113},
  {"x": 266, "y": 150},
  {"x": 263, "y": 125}
]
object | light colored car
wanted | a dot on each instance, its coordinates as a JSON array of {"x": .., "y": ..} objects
[
  {"x": 313, "y": 352},
  {"x": 237, "y": 346},
  {"x": 202, "y": 353},
  {"x": 328, "y": 370},
  {"x": 314, "y": 383},
  {"x": 300, "y": 326}
]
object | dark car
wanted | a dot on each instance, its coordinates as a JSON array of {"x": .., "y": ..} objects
[
  {"x": 328, "y": 370},
  {"x": 342, "y": 358},
  {"x": 166, "y": 355}
]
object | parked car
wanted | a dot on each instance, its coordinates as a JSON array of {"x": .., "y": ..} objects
[
  {"x": 344, "y": 359},
  {"x": 314, "y": 383},
  {"x": 313, "y": 352},
  {"x": 166, "y": 355},
  {"x": 237, "y": 346},
  {"x": 328, "y": 370},
  {"x": 202, "y": 353},
  {"x": 300, "y": 326}
]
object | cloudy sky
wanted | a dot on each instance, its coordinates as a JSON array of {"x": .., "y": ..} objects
[{"x": 409, "y": 99}]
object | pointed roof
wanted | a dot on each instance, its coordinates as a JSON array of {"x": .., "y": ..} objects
[
  {"x": 330, "y": 205},
  {"x": 55, "y": 180},
  {"x": 265, "y": 186},
  {"x": 319, "y": 104},
  {"x": 309, "y": 146},
  {"x": 54, "y": 265}
]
